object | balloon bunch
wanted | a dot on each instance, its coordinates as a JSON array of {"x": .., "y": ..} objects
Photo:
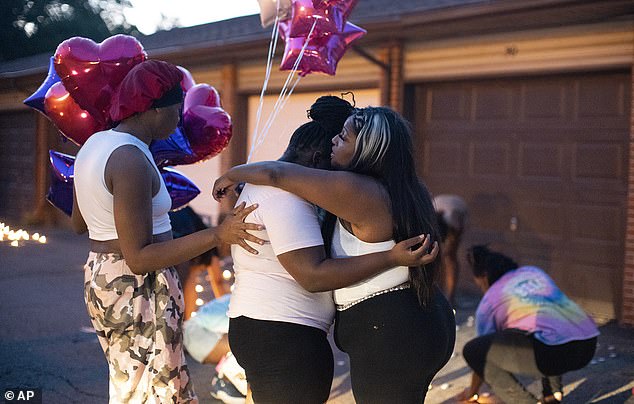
[
  {"x": 76, "y": 97},
  {"x": 316, "y": 33}
]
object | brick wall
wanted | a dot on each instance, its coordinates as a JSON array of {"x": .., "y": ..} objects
[
  {"x": 17, "y": 163},
  {"x": 627, "y": 312}
]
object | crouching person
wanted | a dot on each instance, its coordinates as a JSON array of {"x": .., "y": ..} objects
[{"x": 526, "y": 326}]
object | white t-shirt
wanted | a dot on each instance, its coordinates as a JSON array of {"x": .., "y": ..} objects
[{"x": 263, "y": 289}]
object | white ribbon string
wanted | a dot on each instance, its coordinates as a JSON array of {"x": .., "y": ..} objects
[
  {"x": 285, "y": 93},
  {"x": 269, "y": 64}
]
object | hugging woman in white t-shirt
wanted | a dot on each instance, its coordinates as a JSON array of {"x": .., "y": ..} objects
[{"x": 282, "y": 307}]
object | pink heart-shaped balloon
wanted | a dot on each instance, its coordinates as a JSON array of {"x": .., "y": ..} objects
[
  {"x": 69, "y": 118},
  {"x": 206, "y": 125},
  {"x": 201, "y": 94},
  {"x": 91, "y": 72},
  {"x": 188, "y": 81}
]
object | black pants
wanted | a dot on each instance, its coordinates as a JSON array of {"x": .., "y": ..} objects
[
  {"x": 499, "y": 356},
  {"x": 284, "y": 362},
  {"x": 396, "y": 346}
]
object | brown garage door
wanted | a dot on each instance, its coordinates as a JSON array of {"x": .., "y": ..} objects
[
  {"x": 17, "y": 164},
  {"x": 542, "y": 163}
]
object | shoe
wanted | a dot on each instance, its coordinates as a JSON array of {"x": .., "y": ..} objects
[
  {"x": 226, "y": 392},
  {"x": 555, "y": 398},
  {"x": 229, "y": 369}
]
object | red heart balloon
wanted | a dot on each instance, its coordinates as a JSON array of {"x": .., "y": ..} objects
[
  {"x": 91, "y": 72},
  {"x": 206, "y": 125},
  {"x": 74, "y": 123}
]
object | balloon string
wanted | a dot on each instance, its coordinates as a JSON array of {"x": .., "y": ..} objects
[
  {"x": 285, "y": 93},
  {"x": 279, "y": 106},
  {"x": 269, "y": 64}
]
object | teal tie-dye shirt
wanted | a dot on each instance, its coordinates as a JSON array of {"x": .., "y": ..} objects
[{"x": 527, "y": 299}]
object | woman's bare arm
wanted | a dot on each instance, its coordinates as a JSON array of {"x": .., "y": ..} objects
[
  {"x": 77, "y": 220},
  {"x": 130, "y": 175},
  {"x": 315, "y": 273},
  {"x": 353, "y": 197}
]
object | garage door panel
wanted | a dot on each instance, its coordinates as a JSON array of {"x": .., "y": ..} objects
[
  {"x": 490, "y": 211},
  {"x": 444, "y": 157},
  {"x": 447, "y": 104},
  {"x": 596, "y": 224},
  {"x": 540, "y": 161},
  {"x": 598, "y": 162},
  {"x": 494, "y": 103},
  {"x": 544, "y": 102},
  {"x": 600, "y": 98},
  {"x": 547, "y": 220},
  {"x": 489, "y": 160}
]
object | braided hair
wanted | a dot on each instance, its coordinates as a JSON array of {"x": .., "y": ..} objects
[{"x": 327, "y": 114}]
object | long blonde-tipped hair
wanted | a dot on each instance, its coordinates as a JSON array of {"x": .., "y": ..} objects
[
  {"x": 373, "y": 139},
  {"x": 384, "y": 150}
]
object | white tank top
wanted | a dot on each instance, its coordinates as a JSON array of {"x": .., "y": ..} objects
[
  {"x": 345, "y": 244},
  {"x": 93, "y": 197}
]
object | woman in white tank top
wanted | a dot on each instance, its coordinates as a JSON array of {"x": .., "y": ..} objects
[
  {"x": 131, "y": 289},
  {"x": 397, "y": 327}
]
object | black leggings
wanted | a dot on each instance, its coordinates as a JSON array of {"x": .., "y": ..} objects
[
  {"x": 396, "y": 347},
  {"x": 284, "y": 362},
  {"x": 498, "y": 356}
]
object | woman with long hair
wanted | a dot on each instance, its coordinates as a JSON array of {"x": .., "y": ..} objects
[{"x": 397, "y": 327}]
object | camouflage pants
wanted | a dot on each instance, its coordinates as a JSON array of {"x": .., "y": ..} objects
[{"x": 138, "y": 319}]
